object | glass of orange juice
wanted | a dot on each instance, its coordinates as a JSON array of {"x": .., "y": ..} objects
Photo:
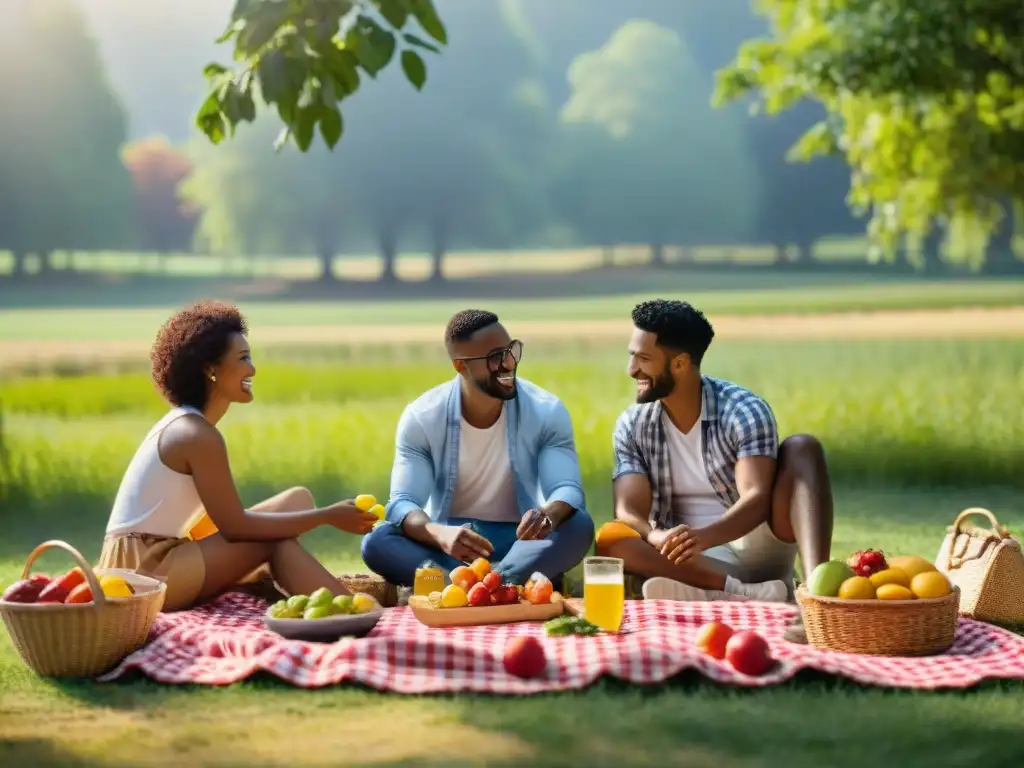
[
  {"x": 604, "y": 592},
  {"x": 429, "y": 578}
]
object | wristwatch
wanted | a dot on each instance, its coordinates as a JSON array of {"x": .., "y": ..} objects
[{"x": 548, "y": 522}]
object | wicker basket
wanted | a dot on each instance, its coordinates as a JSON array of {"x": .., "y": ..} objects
[
  {"x": 372, "y": 584},
  {"x": 880, "y": 627},
  {"x": 82, "y": 639}
]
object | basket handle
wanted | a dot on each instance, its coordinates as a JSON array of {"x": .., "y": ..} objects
[
  {"x": 97, "y": 591},
  {"x": 997, "y": 530}
]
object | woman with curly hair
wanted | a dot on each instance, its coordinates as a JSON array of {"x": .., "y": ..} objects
[{"x": 180, "y": 474}]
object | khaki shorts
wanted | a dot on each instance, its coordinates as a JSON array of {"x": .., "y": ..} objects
[
  {"x": 176, "y": 562},
  {"x": 758, "y": 556}
]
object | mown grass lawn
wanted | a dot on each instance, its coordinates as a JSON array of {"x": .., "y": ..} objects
[{"x": 916, "y": 432}]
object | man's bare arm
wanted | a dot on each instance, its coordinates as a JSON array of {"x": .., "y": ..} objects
[{"x": 755, "y": 479}]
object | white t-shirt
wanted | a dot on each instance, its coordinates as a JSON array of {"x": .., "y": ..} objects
[
  {"x": 485, "y": 489},
  {"x": 694, "y": 501}
]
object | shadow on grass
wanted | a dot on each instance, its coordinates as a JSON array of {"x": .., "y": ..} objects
[
  {"x": 38, "y": 752},
  {"x": 813, "y": 719}
]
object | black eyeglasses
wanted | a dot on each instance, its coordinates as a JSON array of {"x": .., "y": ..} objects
[{"x": 496, "y": 358}]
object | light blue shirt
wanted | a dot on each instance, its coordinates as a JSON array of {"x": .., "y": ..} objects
[{"x": 541, "y": 449}]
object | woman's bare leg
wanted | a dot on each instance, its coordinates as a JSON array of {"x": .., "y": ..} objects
[{"x": 291, "y": 566}]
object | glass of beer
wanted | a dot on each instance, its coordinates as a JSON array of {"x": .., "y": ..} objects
[{"x": 604, "y": 592}]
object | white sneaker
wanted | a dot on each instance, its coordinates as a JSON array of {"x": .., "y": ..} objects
[{"x": 765, "y": 591}]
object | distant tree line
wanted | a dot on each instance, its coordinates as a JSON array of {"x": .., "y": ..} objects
[{"x": 537, "y": 124}]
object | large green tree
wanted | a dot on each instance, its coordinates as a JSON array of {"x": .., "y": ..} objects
[
  {"x": 64, "y": 185},
  {"x": 647, "y": 161},
  {"x": 925, "y": 101}
]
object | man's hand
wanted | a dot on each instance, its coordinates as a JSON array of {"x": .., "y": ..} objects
[
  {"x": 677, "y": 544},
  {"x": 534, "y": 525},
  {"x": 462, "y": 543}
]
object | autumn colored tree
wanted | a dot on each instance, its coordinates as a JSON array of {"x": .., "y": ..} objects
[{"x": 166, "y": 222}]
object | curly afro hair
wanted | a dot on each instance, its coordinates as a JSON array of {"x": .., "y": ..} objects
[
  {"x": 677, "y": 324},
  {"x": 467, "y": 322},
  {"x": 192, "y": 339}
]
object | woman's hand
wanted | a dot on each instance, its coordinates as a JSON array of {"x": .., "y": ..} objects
[{"x": 346, "y": 516}]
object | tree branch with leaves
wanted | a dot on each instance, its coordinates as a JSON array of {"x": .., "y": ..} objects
[
  {"x": 925, "y": 101},
  {"x": 304, "y": 57}
]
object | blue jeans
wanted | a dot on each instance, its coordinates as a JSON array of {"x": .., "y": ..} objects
[{"x": 389, "y": 553}]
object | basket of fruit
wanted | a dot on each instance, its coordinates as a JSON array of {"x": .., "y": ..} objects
[
  {"x": 903, "y": 606},
  {"x": 83, "y": 622}
]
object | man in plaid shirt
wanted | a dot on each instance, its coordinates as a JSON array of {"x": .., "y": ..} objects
[{"x": 708, "y": 504}]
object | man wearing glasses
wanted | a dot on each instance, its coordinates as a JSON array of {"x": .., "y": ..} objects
[{"x": 485, "y": 466}]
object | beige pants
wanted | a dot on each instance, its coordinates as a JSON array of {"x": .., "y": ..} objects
[
  {"x": 176, "y": 562},
  {"x": 758, "y": 556}
]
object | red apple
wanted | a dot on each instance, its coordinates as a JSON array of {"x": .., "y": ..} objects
[
  {"x": 748, "y": 653},
  {"x": 524, "y": 657},
  {"x": 511, "y": 594},
  {"x": 492, "y": 581},
  {"x": 57, "y": 591},
  {"x": 479, "y": 595},
  {"x": 26, "y": 590}
]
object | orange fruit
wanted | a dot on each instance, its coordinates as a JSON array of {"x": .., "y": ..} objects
[
  {"x": 80, "y": 594},
  {"x": 894, "y": 592},
  {"x": 712, "y": 638},
  {"x": 481, "y": 567},
  {"x": 929, "y": 585},
  {"x": 890, "y": 576},
  {"x": 857, "y": 588},
  {"x": 613, "y": 532},
  {"x": 464, "y": 577}
]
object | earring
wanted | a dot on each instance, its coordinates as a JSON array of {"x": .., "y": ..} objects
[{"x": 213, "y": 377}]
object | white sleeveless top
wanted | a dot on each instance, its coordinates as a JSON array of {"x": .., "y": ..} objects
[{"x": 153, "y": 498}]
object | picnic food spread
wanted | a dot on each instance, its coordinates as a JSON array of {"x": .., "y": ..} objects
[
  {"x": 323, "y": 604},
  {"x": 868, "y": 575},
  {"x": 476, "y": 585}
]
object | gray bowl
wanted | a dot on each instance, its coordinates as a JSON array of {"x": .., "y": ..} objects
[{"x": 324, "y": 630}]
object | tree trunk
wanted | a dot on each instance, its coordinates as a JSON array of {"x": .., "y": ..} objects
[
  {"x": 326, "y": 255},
  {"x": 805, "y": 257},
  {"x": 780, "y": 254},
  {"x": 931, "y": 251},
  {"x": 389, "y": 253},
  {"x": 18, "y": 270},
  {"x": 608, "y": 256},
  {"x": 439, "y": 246},
  {"x": 999, "y": 256},
  {"x": 657, "y": 255}
]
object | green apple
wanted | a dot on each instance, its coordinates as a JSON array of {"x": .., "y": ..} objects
[
  {"x": 322, "y": 596},
  {"x": 298, "y": 602},
  {"x": 828, "y": 577},
  {"x": 317, "y": 612},
  {"x": 342, "y": 604}
]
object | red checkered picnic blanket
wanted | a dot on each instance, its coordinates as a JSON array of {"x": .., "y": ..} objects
[{"x": 225, "y": 642}]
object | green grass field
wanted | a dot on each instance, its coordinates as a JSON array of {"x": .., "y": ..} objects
[
  {"x": 915, "y": 432},
  {"x": 714, "y": 294}
]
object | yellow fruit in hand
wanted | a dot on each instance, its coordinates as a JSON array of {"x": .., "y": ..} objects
[
  {"x": 911, "y": 565},
  {"x": 857, "y": 588},
  {"x": 115, "y": 586},
  {"x": 890, "y": 576},
  {"x": 893, "y": 592},
  {"x": 930, "y": 585},
  {"x": 378, "y": 510},
  {"x": 454, "y": 596},
  {"x": 365, "y": 501}
]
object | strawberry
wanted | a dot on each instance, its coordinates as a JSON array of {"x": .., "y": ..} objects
[{"x": 866, "y": 562}]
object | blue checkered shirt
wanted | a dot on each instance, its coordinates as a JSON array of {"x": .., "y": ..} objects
[{"x": 736, "y": 423}]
